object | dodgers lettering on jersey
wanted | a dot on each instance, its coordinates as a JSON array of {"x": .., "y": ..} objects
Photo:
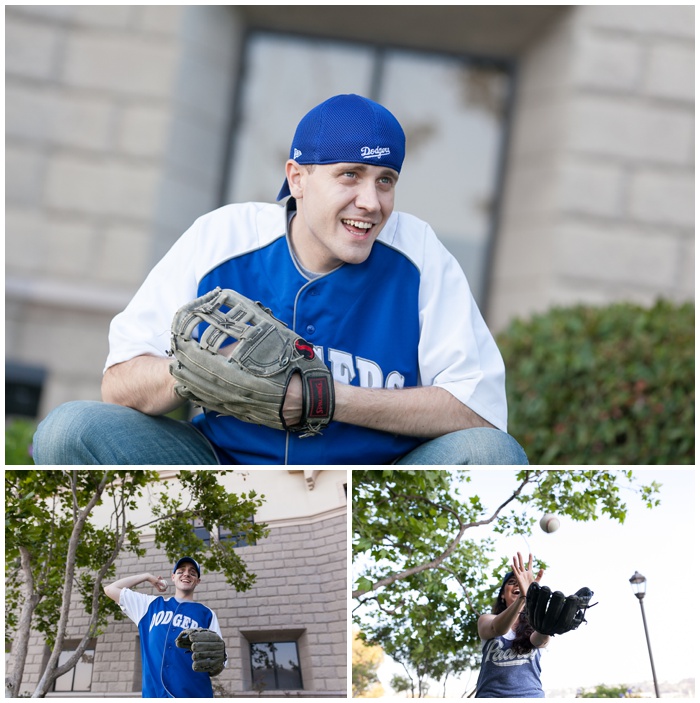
[
  {"x": 167, "y": 668},
  {"x": 164, "y": 617},
  {"x": 505, "y": 674}
]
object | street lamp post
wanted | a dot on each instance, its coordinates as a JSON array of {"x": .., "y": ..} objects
[{"x": 639, "y": 586}]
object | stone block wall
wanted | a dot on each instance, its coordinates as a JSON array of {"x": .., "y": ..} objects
[
  {"x": 116, "y": 124},
  {"x": 599, "y": 199}
]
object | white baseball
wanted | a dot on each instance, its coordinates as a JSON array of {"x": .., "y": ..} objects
[
  {"x": 549, "y": 523},
  {"x": 161, "y": 585}
]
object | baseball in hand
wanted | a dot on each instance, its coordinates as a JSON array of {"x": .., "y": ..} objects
[
  {"x": 161, "y": 585},
  {"x": 549, "y": 523}
]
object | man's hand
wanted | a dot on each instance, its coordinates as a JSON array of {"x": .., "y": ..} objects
[{"x": 293, "y": 402}]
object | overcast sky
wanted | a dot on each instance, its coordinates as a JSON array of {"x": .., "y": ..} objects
[{"x": 603, "y": 555}]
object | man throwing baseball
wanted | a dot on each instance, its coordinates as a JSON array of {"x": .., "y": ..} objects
[
  {"x": 373, "y": 351},
  {"x": 181, "y": 644}
]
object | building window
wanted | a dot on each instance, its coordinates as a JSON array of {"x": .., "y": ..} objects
[
  {"x": 239, "y": 539},
  {"x": 79, "y": 678},
  {"x": 275, "y": 666}
]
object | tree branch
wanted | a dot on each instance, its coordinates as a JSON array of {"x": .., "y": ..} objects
[{"x": 434, "y": 563}]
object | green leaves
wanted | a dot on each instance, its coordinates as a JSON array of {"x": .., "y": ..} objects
[
  {"x": 204, "y": 498},
  {"x": 608, "y": 385}
]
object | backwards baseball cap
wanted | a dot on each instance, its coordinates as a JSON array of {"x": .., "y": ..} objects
[
  {"x": 506, "y": 578},
  {"x": 180, "y": 562},
  {"x": 348, "y": 129}
]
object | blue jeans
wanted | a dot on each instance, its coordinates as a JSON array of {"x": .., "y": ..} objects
[{"x": 90, "y": 432}]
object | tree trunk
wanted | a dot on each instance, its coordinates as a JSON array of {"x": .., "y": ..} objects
[
  {"x": 20, "y": 645},
  {"x": 51, "y": 672}
]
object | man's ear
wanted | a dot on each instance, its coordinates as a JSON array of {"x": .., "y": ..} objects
[{"x": 295, "y": 176}]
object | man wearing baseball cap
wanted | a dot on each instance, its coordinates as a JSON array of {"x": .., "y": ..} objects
[
  {"x": 164, "y": 624},
  {"x": 417, "y": 376}
]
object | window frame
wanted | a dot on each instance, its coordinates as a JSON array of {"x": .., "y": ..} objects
[{"x": 275, "y": 668}]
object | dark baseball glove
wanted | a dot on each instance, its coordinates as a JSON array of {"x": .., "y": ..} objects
[
  {"x": 208, "y": 649},
  {"x": 248, "y": 380},
  {"x": 554, "y": 613}
]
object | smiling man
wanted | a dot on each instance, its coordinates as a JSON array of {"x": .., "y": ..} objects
[
  {"x": 167, "y": 665},
  {"x": 417, "y": 377}
]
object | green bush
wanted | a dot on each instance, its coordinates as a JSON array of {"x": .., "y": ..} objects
[
  {"x": 610, "y": 385},
  {"x": 19, "y": 435}
]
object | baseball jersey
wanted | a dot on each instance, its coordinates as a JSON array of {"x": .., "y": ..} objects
[
  {"x": 404, "y": 317},
  {"x": 166, "y": 668},
  {"x": 505, "y": 674}
]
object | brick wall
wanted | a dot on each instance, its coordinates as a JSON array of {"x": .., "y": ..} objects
[{"x": 599, "y": 201}]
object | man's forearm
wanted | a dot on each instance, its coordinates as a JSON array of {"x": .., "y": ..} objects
[
  {"x": 418, "y": 412},
  {"x": 113, "y": 590},
  {"x": 143, "y": 383}
]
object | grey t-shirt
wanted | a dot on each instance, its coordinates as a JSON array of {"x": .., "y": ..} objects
[{"x": 505, "y": 674}]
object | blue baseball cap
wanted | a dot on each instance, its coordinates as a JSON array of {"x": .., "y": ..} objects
[
  {"x": 348, "y": 129},
  {"x": 180, "y": 562},
  {"x": 506, "y": 578}
]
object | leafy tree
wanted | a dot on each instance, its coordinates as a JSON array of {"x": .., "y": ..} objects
[
  {"x": 365, "y": 662},
  {"x": 55, "y": 545},
  {"x": 421, "y": 583}
]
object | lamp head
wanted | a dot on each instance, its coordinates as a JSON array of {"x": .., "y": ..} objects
[{"x": 639, "y": 585}]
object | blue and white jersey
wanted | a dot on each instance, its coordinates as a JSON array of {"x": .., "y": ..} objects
[
  {"x": 166, "y": 668},
  {"x": 405, "y": 317},
  {"x": 505, "y": 674}
]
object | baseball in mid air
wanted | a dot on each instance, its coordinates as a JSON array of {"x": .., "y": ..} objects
[{"x": 549, "y": 523}]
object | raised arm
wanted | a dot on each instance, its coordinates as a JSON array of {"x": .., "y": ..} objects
[
  {"x": 113, "y": 590},
  {"x": 143, "y": 383}
]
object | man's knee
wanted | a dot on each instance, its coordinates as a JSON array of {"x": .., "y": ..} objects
[
  {"x": 476, "y": 446},
  {"x": 486, "y": 445},
  {"x": 60, "y": 437}
]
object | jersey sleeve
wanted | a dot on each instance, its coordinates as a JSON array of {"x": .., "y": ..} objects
[
  {"x": 456, "y": 351},
  {"x": 134, "y": 605},
  {"x": 143, "y": 327},
  {"x": 214, "y": 625}
]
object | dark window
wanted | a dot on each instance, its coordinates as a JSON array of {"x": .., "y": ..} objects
[
  {"x": 79, "y": 678},
  {"x": 23, "y": 387},
  {"x": 275, "y": 666},
  {"x": 240, "y": 539}
]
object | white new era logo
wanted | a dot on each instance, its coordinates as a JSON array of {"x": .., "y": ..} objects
[{"x": 297, "y": 153}]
